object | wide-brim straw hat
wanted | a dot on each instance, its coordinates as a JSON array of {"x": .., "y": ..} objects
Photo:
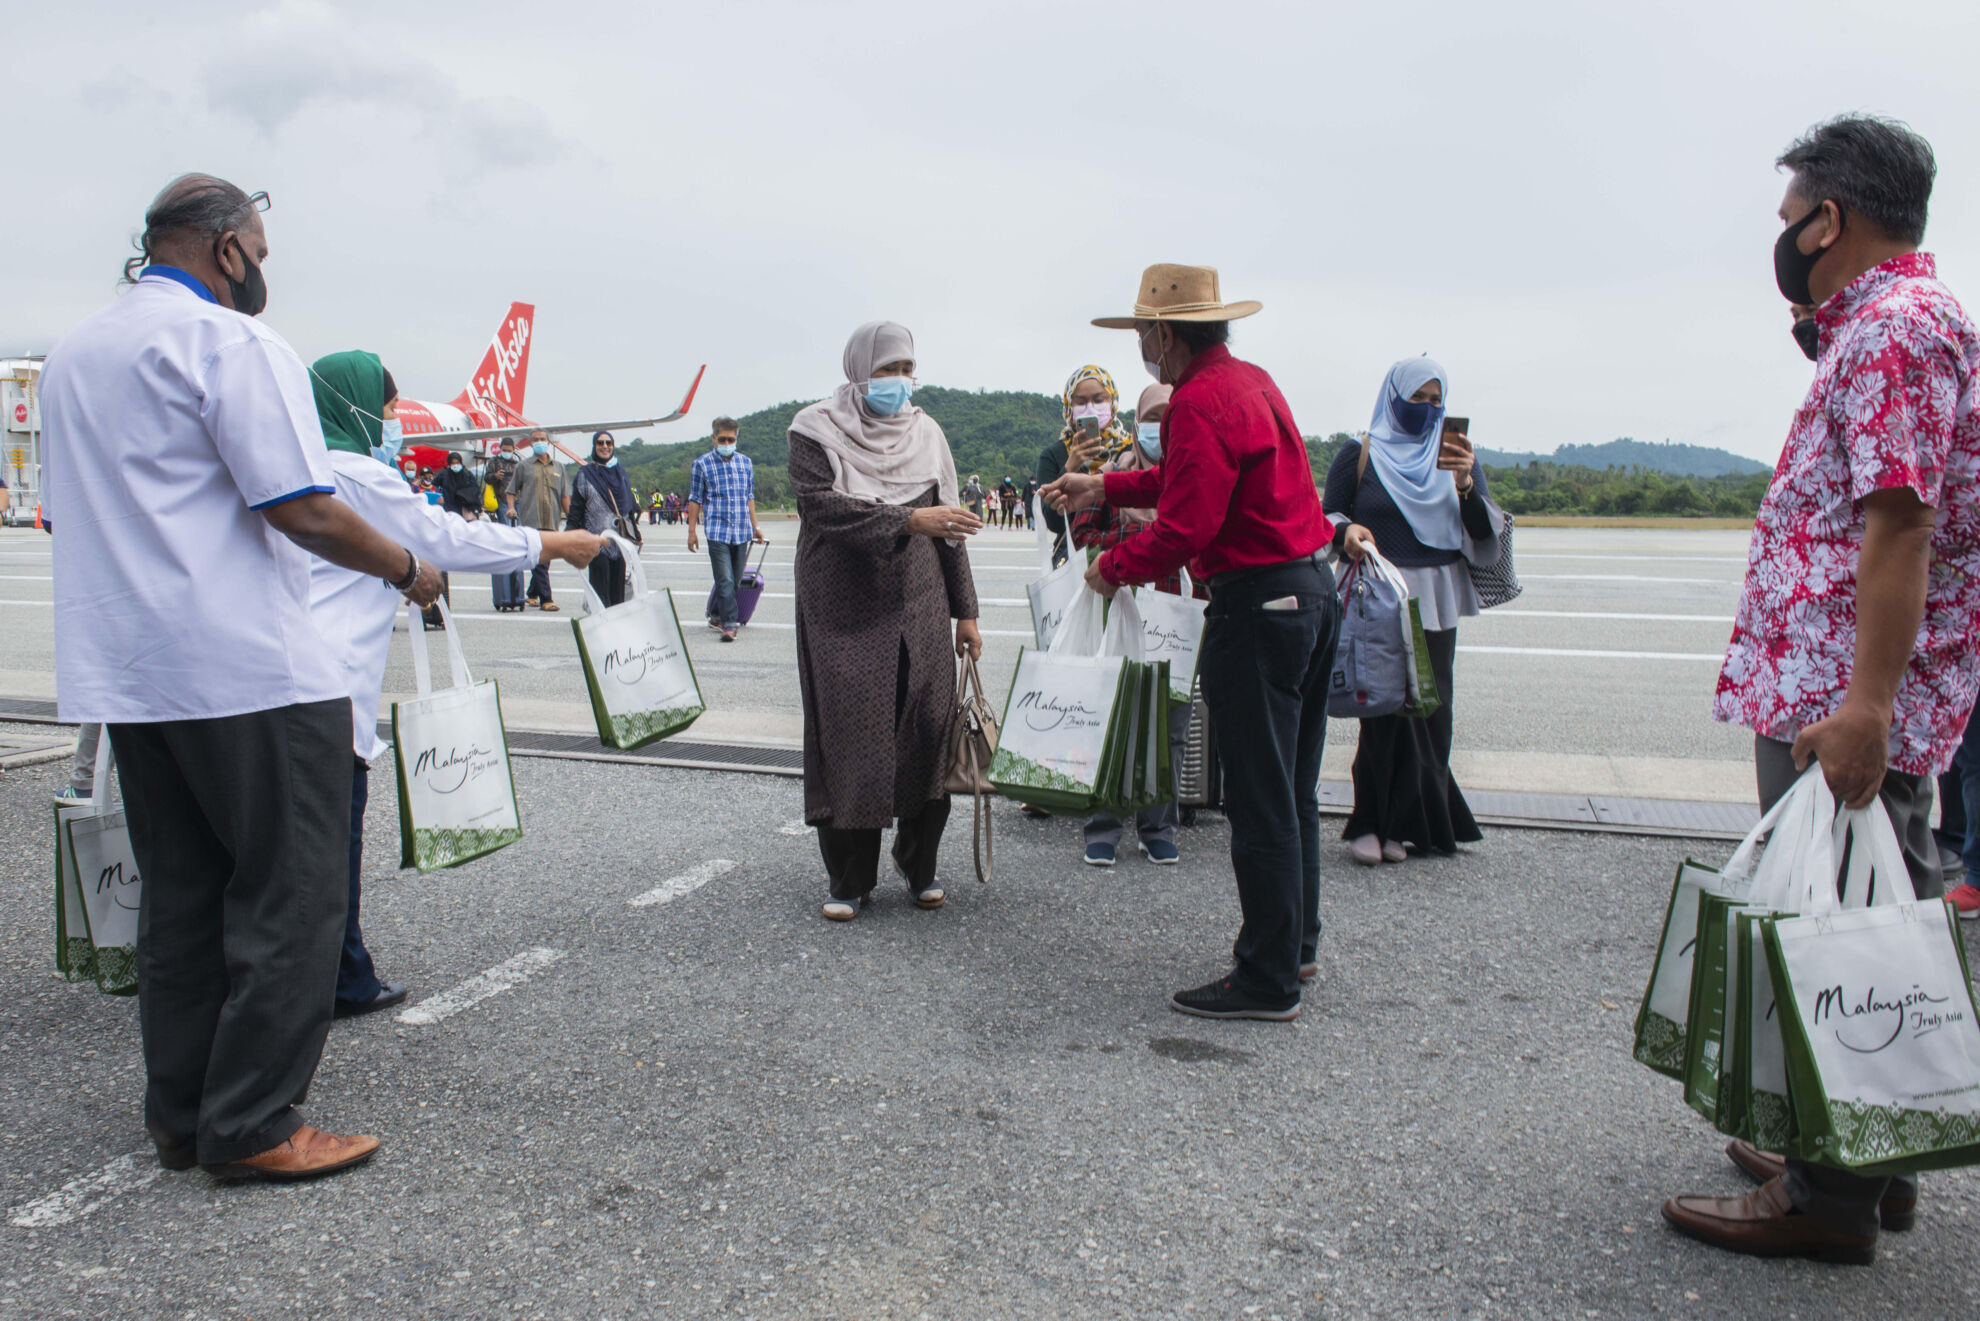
[{"x": 1179, "y": 293}]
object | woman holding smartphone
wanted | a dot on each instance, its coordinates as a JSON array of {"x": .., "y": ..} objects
[
  {"x": 1093, "y": 435},
  {"x": 1415, "y": 484}
]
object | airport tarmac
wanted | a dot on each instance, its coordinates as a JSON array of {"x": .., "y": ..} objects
[{"x": 1597, "y": 681}]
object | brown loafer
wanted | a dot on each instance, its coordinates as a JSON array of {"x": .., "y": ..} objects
[
  {"x": 309, "y": 1153},
  {"x": 1897, "y": 1212},
  {"x": 1764, "y": 1223}
]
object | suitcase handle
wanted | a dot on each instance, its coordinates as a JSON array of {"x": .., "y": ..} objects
[{"x": 762, "y": 550}]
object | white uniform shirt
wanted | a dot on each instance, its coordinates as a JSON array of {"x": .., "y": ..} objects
[
  {"x": 357, "y": 612},
  {"x": 169, "y": 421}
]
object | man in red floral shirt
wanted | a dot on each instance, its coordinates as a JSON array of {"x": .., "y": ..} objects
[{"x": 1853, "y": 645}]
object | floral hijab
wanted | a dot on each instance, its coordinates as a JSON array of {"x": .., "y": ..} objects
[{"x": 1116, "y": 436}]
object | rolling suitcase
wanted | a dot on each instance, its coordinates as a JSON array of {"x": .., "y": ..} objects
[
  {"x": 507, "y": 589},
  {"x": 749, "y": 588}
]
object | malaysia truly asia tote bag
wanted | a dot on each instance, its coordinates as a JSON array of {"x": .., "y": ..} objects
[
  {"x": 636, "y": 663},
  {"x": 107, "y": 889},
  {"x": 1171, "y": 630},
  {"x": 1055, "y": 590},
  {"x": 1054, "y": 743},
  {"x": 457, "y": 798}
]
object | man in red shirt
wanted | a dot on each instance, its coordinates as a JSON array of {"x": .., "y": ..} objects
[{"x": 1234, "y": 499}]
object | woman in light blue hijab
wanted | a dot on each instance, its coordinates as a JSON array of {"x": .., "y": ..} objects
[{"x": 1419, "y": 491}]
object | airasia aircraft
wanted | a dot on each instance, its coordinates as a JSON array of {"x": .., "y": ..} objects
[{"x": 490, "y": 406}]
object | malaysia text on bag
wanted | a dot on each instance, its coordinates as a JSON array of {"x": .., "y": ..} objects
[
  {"x": 457, "y": 799},
  {"x": 636, "y": 663}
]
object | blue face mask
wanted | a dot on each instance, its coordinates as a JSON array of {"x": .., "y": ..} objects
[
  {"x": 539, "y": 447},
  {"x": 1411, "y": 418},
  {"x": 725, "y": 448},
  {"x": 394, "y": 436},
  {"x": 612, "y": 462},
  {"x": 1149, "y": 436},
  {"x": 888, "y": 395}
]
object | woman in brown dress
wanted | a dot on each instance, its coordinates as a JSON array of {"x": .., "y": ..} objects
[{"x": 880, "y": 574}]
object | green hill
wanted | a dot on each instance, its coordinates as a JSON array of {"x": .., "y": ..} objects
[{"x": 1666, "y": 457}]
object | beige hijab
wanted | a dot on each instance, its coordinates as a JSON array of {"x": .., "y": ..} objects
[
  {"x": 1132, "y": 459},
  {"x": 881, "y": 460}
]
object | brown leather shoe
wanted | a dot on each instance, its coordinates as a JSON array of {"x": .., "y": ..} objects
[
  {"x": 1764, "y": 1223},
  {"x": 1898, "y": 1211},
  {"x": 307, "y": 1154}
]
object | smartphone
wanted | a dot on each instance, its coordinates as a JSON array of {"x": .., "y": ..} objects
[
  {"x": 1461, "y": 424},
  {"x": 1090, "y": 425}
]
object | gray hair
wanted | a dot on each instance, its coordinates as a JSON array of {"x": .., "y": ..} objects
[
  {"x": 197, "y": 204},
  {"x": 1879, "y": 168},
  {"x": 724, "y": 423}
]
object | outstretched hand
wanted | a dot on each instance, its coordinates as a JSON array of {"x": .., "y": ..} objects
[{"x": 1075, "y": 490}]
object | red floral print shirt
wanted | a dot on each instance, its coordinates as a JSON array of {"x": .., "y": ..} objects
[{"x": 1892, "y": 405}]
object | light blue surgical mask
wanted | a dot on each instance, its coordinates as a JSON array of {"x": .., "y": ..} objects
[
  {"x": 888, "y": 395},
  {"x": 539, "y": 447},
  {"x": 612, "y": 462},
  {"x": 725, "y": 448},
  {"x": 394, "y": 436},
  {"x": 1149, "y": 436}
]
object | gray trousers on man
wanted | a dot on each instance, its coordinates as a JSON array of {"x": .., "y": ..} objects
[
  {"x": 241, "y": 829},
  {"x": 1159, "y": 821},
  {"x": 1849, "y": 1201}
]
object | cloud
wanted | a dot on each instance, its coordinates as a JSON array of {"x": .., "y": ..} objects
[{"x": 302, "y": 55}]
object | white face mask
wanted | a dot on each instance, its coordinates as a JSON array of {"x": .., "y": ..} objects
[{"x": 1153, "y": 365}]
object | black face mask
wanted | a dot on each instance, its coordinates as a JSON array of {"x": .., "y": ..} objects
[
  {"x": 250, "y": 295},
  {"x": 1792, "y": 266},
  {"x": 1804, "y": 335}
]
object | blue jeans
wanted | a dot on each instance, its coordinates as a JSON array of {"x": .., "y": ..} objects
[
  {"x": 728, "y": 563},
  {"x": 1967, "y": 763},
  {"x": 1267, "y": 650},
  {"x": 357, "y": 979}
]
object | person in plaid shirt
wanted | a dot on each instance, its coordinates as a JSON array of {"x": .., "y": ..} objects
[
  {"x": 1853, "y": 644},
  {"x": 1101, "y": 528},
  {"x": 722, "y": 494}
]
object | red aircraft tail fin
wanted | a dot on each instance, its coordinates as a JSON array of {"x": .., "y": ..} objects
[{"x": 504, "y": 369}]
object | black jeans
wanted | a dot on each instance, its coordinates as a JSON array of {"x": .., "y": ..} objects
[
  {"x": 539, "y": 583},
  {"x": 1840, "y": 1197},
  {"x": 1268, "y": 647},
  {"x": 357, "y": 978},
  {"x": 240, "y": 825}
]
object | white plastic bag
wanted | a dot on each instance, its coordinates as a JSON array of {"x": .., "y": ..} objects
[{"x": 1056, "y": 589}]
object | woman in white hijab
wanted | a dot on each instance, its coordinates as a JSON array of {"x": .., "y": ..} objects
[{"x": 881, "y": 573}]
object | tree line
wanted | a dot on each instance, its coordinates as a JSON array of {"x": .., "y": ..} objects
[{"x": 1000, "y": 433}]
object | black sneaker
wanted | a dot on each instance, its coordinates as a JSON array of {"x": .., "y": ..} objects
[{"x": 1223, "y": 999}]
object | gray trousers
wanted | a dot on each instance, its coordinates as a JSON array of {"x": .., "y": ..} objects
[
  {"x": 1159, "y": 821},
  {"x": 1849, "y": 1201},
  {"x": 241, "y": 827}
]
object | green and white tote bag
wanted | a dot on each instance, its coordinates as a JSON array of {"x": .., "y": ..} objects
[
  {"x": 1056, "y": 745},
  {"x": 636, "y": 663},
  {"x": 1172, "y": 629},
  {"x": 1664, "y": 1016},
  {"x": 1881, "y": 1030},
  {"x": 1055, "y": 590},
  {"x": 106, "y": 872},
  {"x": 457, "y": 799},
  {"x": 1764, "y": 1115},
  {"x": 73, "y": 958}
]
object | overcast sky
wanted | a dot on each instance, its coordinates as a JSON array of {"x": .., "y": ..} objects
[{"x": 1571, "y": 205}]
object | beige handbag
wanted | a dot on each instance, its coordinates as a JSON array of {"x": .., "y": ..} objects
[{"x": 972, "y": 743}]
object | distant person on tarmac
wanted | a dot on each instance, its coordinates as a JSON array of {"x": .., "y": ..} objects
[
  {"x": 1853, "y": 642},
  {"x": 601, "y": 502},
  {"x": 460, "y": 490},
  {"x": 881, "y": 574},
  {"x": 1234, "y": 499},
  {"x": 542, "y": 498},
  {"x": 722, "y": 497},
  {"x": 1421, "y": 493},
  {"x": 187, "y": 469},
  {"x": 358, "y": 406}
]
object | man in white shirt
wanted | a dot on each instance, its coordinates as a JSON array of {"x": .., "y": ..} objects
[{"x": 187, "y": 468}]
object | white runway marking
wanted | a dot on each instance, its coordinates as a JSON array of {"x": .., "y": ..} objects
[
  {"x": 1602, "y": 614},
  {"x": 474, "y": 990},
  {"x": 1714, "y": 656},
  {"x": 686, "y": 883},
  {"x": 1622, "y": 578},
  {"x": 78, "y": 1197},
  {"x": 1637, "y": 559},
  {"x": 27, "y": 577},
  {"x": 49, "y": 603}
]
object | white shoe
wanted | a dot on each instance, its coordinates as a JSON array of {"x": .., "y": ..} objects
[
  {"x": 1393, "y": 852},
  {"x": 1367, "y": 850}
]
